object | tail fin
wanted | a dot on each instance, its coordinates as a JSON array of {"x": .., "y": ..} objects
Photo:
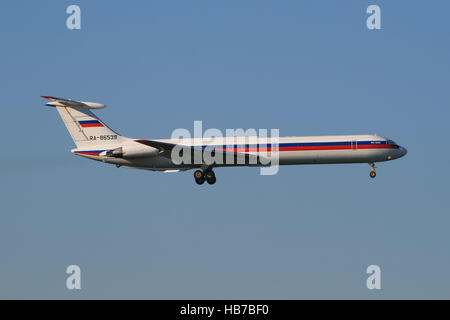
[{"x": 85, "y": 127}]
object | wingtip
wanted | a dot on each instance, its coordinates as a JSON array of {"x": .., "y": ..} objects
[{"x": 47, "y": 97}]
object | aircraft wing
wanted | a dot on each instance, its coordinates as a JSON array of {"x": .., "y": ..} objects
[{"x": 238, "y": 157}]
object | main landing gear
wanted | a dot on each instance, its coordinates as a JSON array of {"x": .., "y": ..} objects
[
  {"x": 201, "y": 176},
  {"x": 373, "y": 173}
]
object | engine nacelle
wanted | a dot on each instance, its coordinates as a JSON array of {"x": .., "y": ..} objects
[
  {"x": 132, "y": 151},
  {"x": 139, "y": 151}
]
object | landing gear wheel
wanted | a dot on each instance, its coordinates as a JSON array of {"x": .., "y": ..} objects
[
  {"x": 373, "y": 174},
  {"x": 209, "y": 174},
  {"x": 210, "y": 177},
  {"x": 200, "y": 180},
  {"x": 202, "y": 176},
  {"x": 211, "y": 180},
  {"x": 198, "y": 174}
]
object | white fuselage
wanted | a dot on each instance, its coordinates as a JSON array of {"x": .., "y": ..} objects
[
  {"x": 95, "y": 140},
  {"x": 291, "y": 151}
]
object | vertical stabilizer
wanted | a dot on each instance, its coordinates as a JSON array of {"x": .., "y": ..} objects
[{"x": 85, "y": 127}]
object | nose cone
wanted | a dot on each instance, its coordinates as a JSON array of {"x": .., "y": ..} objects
[{"x": 402, "y": 152}]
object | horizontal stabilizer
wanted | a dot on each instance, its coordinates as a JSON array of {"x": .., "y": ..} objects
[{"x": 60, "y": 102}]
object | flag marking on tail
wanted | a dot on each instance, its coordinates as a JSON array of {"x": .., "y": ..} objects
[{"x": 90, "y": 123}]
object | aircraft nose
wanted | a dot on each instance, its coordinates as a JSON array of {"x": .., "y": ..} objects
[{"x": 403, "y": 151}]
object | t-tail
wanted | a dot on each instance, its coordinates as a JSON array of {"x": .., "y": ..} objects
[
  {"x": 85, "y": 127},
  {"x": 93, "y": 138}
]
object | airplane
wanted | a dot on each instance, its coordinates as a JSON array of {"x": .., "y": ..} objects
[{"x": 95, "y": 140}]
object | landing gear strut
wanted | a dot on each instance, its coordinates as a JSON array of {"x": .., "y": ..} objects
[
  {"x": 373, "y": 173},
  {"x": 201, "y": 176}
]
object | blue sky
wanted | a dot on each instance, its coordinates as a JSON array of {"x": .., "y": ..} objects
[{"x": 305, "y": 67}]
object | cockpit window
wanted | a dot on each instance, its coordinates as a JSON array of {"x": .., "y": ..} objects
[{"x": 391, "y": 142}]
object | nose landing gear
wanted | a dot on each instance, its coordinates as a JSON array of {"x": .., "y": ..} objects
[
  {"x": 201, "y": 176},
  {"x": 373, "y": 173}
]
